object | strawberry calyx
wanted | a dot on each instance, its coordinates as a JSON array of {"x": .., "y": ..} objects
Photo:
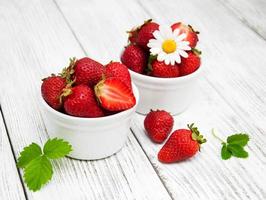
[
  {"x": 66, "y": 91},
  {"x": 196, "y": 51},
  {"x": 67, "y": 72},
  {"x": 98, "y": 88},
  {"x": 150, "y": 61},
  {"x": 52, "y": 75},
  {"x": 191, "y": 28},
  {"x": 196, "y": 135}
]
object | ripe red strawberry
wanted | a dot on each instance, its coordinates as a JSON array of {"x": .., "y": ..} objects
[
  {"x": 182, "y": 144},
  {"x": 114, "y": 95},
  {"x": 133, "y": 33},
  {"x": 135, "y": 58},
  {"x": 52, "y": 89},
  {"x": 82, "y": 103},
  {"x": 158, "y": 125},
  {"x": 146, "y": 33},
  {"x": 118, "y": 70},
  {"x": 160, "y": 69},
  {"x": 192, "y": 36},
  {"x": 87, "y": 71},
  {"x": 191, "y": 63}
]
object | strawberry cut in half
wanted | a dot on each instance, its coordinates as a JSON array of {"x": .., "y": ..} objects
[{"x": 114, "y": 95}]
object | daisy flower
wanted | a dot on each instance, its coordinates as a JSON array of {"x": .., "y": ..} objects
[{"x": 169, "y": 45}]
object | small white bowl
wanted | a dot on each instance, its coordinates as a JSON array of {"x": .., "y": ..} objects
[
  {"x": 91, "y": 138},
  {"x": 171, "y": 94}
]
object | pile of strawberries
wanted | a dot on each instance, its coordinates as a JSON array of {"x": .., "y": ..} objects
[
  {"x": 137, "y": 55},
  {"x": 86, "y": 88},
  {"x": 181, "y": 145}
]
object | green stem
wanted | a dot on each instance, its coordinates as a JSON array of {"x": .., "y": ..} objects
[{"x": 213, "y": 133}]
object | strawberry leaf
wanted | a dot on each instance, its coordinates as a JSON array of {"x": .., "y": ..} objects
[
  {"x": 37, "y": 166},
  {"x": 38, "y": 172},
  {"x": 234, "y": 146},
  {"x": 239, "y": 139},
  {"x": 225, "y": 153},
  {"x": 56, "y": 148},
  {"x": 237, "y": 151},
  {"x": 28, "y": 154}
]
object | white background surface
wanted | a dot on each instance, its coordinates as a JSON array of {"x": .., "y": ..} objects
[{"x": 37, "y": 38}]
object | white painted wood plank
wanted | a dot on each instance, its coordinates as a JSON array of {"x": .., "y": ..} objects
[
  {"x": 37, "y": 41},
  {"x": 251, "y": 13},
  {"x": 232, "y": 99},
  {"x": 10, "y": 184},
  {"x": 229, "y": 73},
  {"x": 207, "y": 176}
]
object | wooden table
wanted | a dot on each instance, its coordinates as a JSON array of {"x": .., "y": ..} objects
[{"x": 37, "y": 37}]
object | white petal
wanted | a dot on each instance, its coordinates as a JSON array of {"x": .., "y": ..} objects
[
  {"x": 183, "y": 47},
  {"x": 176, "y": 32},
  {"x": 172, "y": 61},
  {"x": 177, "y": 58},
  {"x": 182, "y": 53},
  {"x": 167, "y": 61},
  {"x": 155, "y": 50},
  {"x": 184, "y": 43},
  {"x": 169, "y": 32},
  {"x": 161, "y": 56},
  {"x": 166, "y": 32},
  {"x": 182, "y": 36},
  {"x": 154, "y": 43},
  {"x": 157, "y": 35}
]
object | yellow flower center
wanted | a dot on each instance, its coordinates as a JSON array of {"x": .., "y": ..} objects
[{"x": 169, "y": 46}]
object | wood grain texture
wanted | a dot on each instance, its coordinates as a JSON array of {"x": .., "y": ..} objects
[
  {"x": 36, "y": 42},
  {"x": 232, "y": 93},
  {"x": 251, "y": 13},
  {"x": 10, "y": 185}
]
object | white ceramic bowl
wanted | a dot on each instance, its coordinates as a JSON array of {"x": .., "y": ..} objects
[
  {"x": 91, "y": 138},
  {"x": 171, "y": 94}
]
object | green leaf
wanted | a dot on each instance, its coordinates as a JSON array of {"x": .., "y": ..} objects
[
  {"x": 56, "y": 148},
  {"x": 28, "y": 154},
  {"x": 38, "y": 172},
  {"x": 237, "y": 151},
  {"x": 239, "y": 139},
  {"x": 225, "y": 153}
]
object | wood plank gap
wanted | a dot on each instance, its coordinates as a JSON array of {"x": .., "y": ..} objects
[
  {"x": 243, "y": 21},
  {"x": 69, "y": 26},
  {"x": 13, "y": 153},
  {"x": 157, "y": 172}
]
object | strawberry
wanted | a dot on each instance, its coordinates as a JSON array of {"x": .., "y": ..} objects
[
  {"x": 146, "y": 33},
  {"x": 84, "y": 71},
  {"x": 158, "y": 125},
  {"x": 135, "y": 58},
  {"x": 81, "y": 102},
  {"x": 114, "y": 95},
  {"x": 182, "y": 144},
  {"x": 52, "y": 88},
  {"x": 191, "y": 63},
  {"x": 160, "y": 69},
  {"x": 192, "y": 36},
  {"x": 133, "y": 33},
  {"x": 118, "y": 70}
]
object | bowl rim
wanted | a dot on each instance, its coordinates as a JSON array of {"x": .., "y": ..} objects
[{"x": 84, "y": 119}]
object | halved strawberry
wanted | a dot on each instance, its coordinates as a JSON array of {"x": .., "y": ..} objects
[{"x": 114, "y": 95}]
